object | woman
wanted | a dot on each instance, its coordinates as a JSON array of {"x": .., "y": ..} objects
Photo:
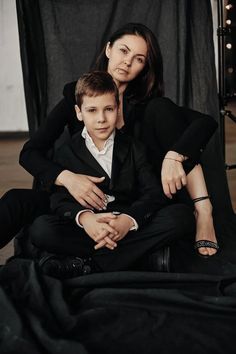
[{"x": 133, "y": 58}]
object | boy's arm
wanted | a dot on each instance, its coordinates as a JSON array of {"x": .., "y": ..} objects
[
  {"x": 34, "y": 155},
  {"x": 63, "y": 204}
]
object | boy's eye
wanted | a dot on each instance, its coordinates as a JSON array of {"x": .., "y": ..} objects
[{"x": 91, "y": 110}]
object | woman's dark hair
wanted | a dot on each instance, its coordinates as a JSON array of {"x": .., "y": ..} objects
[{"x": 149, "y": 82}]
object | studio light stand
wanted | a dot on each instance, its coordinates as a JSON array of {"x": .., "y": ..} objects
[{"x": 222, "y": 32}]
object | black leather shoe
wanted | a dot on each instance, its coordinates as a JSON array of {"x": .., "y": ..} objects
[
  {"x": 65, "y": 267},
  {"x": 159, "y": 260}
]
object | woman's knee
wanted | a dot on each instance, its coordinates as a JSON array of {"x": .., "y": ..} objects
[
  {"x": 41, "y": 231},
  {"x": 13, "y": 195}
]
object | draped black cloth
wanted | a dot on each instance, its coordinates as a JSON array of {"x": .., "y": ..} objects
[{"x": 126, "y": 311}]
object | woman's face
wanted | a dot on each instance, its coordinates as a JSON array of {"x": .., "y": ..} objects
[{"x": 126, "y": 58}]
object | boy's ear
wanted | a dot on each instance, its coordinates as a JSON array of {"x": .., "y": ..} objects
[
  {"x": 78, "y": 113},
  {"x": 108, "y": 50}
]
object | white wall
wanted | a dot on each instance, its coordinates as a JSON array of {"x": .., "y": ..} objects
[{"x": 12, "y": 102}]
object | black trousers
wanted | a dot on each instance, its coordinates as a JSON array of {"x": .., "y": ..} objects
[
  {"x": 18, "y": 208},
  {"x": 61, "y": 236}
]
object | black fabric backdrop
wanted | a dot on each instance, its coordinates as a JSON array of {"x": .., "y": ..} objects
[
  {"x": 61, "y": 39},
  {"x": 124, "y": 312}
]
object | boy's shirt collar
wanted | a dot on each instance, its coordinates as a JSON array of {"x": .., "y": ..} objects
[{"x": 89, "y": 141}]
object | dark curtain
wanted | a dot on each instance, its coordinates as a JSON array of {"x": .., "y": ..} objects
[
  {"x": 61, "y": 39},
  {"x": 70, "y": 33}
]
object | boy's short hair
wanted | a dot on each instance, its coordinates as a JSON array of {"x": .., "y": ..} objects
[{"x": 95, "y": 83}]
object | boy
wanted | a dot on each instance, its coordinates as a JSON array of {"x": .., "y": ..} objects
[{"x": 121, "y": 236}]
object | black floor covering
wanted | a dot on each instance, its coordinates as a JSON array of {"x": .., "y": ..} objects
[{"x": 123, "y": 312}]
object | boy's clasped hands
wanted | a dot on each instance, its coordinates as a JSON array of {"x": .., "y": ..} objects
[{"x": 106, "y": 229}]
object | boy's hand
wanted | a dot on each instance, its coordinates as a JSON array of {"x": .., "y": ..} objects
[
  {"x": 99, "y": 231},
  {"x": 122, "y": 224}
]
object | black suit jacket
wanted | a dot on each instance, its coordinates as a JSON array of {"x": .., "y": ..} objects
[
  {"x": 175, "y": 127},
  {"x": 132, "y": 183}
]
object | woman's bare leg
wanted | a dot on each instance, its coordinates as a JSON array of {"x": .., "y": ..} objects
[{"x": 196, "y": 187}]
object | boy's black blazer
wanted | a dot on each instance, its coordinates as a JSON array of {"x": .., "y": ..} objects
[{"x": 135, "y": 187}]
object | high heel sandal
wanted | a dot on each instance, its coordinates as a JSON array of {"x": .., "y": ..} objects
[{"x": 204, "y": 243}]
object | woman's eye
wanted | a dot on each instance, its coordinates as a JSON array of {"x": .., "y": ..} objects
[
  {"x": 140, "y": 60},
  {"x": 123, "y": 50},
  {"x": 110, "y": 109}
]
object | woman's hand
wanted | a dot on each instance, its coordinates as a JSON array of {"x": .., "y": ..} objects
[
  {"x": 173, "y": 176},
  {"x": 83, "y": 189}
]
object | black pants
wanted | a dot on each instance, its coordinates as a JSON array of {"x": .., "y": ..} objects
[
  {"x": 60, "y": 236},
  {"x": 19, "y": 207}
]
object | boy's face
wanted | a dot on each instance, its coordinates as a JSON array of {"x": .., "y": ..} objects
[{"x": 99, "y": 114}]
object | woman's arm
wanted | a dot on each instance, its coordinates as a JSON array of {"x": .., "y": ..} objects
[
  {"x": 178, "y": 129},
  {"x": 176, "y": 137},
  {"x": 34, "y": 155}
]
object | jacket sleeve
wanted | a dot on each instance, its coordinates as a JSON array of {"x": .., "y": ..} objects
[
  {"x": 150, "y": 194},
  {"x": 64, "y": 205},
  {"x": 177, "y": 128},
  {"x": 34, "y": 156}
]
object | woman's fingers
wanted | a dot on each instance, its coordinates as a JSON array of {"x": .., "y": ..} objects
[
  {"x": 166, "y": 189},
  {"x": 171, "y": 187},
  {"x": 184, "y": 180},
  {"x": 173, "y": 176},
  {"x": 94, "y": 201},
  {"x": 84, "y": 203},
  {"x": 85, "y": 191}
]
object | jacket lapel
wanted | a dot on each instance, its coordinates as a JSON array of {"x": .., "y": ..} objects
[{"x": 84, "y": 154}]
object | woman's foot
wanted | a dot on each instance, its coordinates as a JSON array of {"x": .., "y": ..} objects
[{"x": 205, "y": 230}]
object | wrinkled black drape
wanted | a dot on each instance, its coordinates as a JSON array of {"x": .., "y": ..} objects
[{"x": 126, "y": 312}]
